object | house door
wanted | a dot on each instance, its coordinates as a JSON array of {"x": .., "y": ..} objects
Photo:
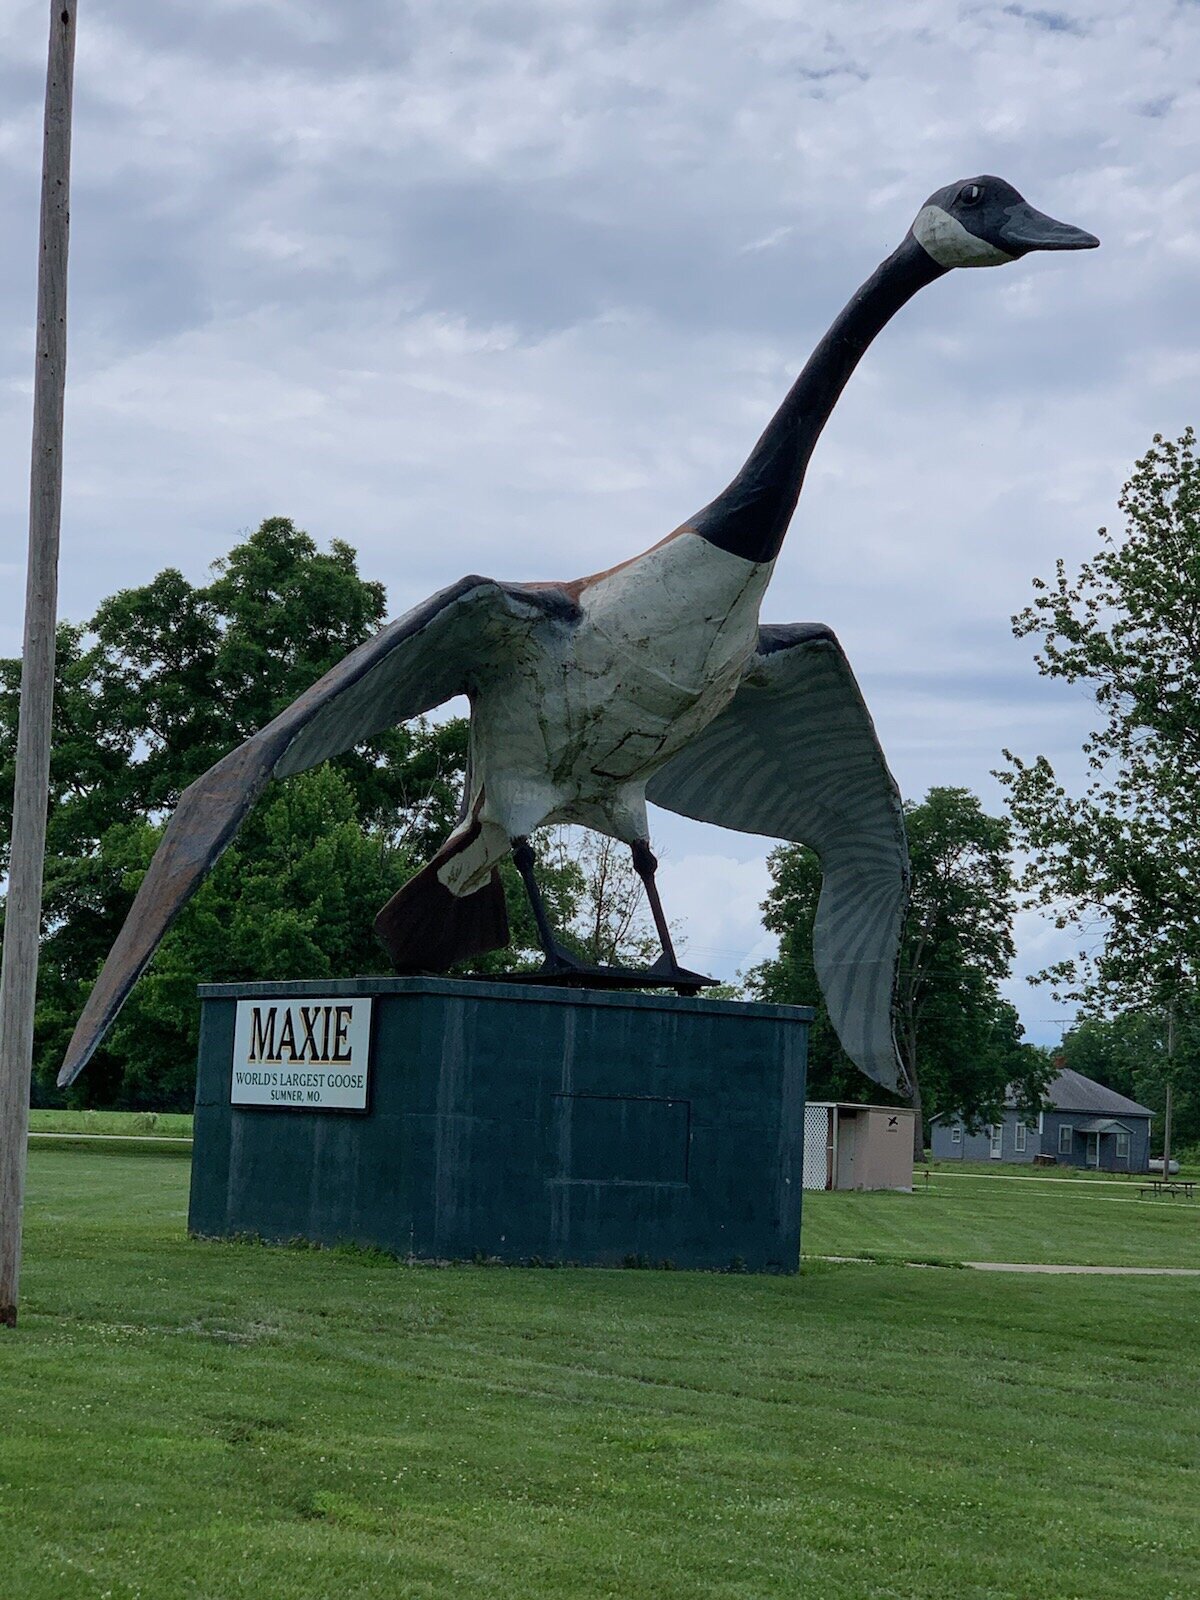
[
  {"x": 1093, "y": 1149},
  {"x": 997, "y": 1140}
]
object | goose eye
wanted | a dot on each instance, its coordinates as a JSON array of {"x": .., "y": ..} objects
[{"x": 971, "y": 194}]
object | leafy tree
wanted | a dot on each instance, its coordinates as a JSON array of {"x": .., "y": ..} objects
[
  {"x": 789, "y": 977},
  {"x": 959, "y": 1040},
  {"x": 1117, "y": 863},
  {"x": 291, "y": 897},
  {"x": 160, "y": 683},
  {"x": 1128, "y": 1053}
]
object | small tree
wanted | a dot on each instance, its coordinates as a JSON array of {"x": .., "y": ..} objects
[
  {"x": 610, "y": 925},
  {"x": 594, "y": 899}
]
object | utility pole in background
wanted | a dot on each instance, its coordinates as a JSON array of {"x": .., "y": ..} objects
[
  {"x": 23, "y": 914},
  {"x": 1176, "y": 984},
  {"x": 1170, "y": 1076}
]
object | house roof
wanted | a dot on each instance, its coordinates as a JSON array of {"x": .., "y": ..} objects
[
  {"x": 1101, "y": 1125},
  {"x": 1071, "y": 1091}
]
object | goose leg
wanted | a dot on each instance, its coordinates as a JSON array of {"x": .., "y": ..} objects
[
  {"x": 557, "y": 959},
  {"x": 667, "y": 965}
]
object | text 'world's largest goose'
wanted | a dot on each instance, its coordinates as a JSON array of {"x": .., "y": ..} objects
[{"x": 653, "y": 680}]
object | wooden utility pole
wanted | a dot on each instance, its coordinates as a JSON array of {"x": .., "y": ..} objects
[
  {"x": 1170, "y": 1076},
  {"x": 1167, "y": 1137},
  {"x": 23, "y": 915}
]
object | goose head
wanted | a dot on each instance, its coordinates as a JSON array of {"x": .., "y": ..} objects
[{"x": 984, "y": 222}]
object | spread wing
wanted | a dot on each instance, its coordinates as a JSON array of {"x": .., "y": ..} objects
[
  {"x": 795, "y": 756},
  {"x": 424, "y": 658}
]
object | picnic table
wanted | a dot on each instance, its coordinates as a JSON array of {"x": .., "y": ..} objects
[{"x": 1172, "y": 1186}]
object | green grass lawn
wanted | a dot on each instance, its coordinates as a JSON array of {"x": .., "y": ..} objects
[
  {"x": 991, "y": 1218},
  {"x": 1089, "y": 1175},
  {"x": 204, "y": 1420},
  {"x": 124, "y": 1124}
]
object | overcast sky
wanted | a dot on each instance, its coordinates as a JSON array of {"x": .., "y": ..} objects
[{"x": 512, "y": 288}]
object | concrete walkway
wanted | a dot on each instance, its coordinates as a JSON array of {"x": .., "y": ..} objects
[
  {"x": 1053, "y": 1268},
  {"x": 109, "y": 1138},
  {"x": 1108, "y": 1272},
  {"x": 1119, "y": 1180}
]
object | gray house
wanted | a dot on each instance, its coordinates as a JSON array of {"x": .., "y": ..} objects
[{"x": 1083, "y": 1124}]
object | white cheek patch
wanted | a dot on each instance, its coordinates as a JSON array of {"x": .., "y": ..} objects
[{"x": 951, "y": 245}]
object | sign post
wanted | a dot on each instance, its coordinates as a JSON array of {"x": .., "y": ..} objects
[{"x": 22, "y": 928}]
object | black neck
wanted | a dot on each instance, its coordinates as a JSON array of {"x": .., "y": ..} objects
[{"x": 751, "y": 516}]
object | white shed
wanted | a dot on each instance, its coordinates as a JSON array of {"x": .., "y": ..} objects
[{"x": 849, "y": 1146}]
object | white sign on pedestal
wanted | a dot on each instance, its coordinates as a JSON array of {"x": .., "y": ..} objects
[{"x": 313, "y": 1054}]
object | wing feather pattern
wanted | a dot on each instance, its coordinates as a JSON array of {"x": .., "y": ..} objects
[
  {"x": 421, "y": 660},
  {"x": 795, "y": 756}
]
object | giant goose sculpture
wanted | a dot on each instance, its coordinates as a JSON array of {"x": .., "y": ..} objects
[{"x": 652, "y": 680}]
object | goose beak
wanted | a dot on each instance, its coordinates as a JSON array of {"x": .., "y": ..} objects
[{"x": 1026, "y": 229}]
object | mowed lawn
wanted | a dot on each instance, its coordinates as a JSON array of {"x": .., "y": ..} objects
[
  {"x": 202, "y": 1420},
  {"x": 991, "y": 1217},
  {"x": 113, "y": 1124}
]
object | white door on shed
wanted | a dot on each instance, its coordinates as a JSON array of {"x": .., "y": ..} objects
[{"x": 997, "y": 1149}]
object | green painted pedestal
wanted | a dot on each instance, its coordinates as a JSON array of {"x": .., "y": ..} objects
[{"x": 522, "y": 1123}]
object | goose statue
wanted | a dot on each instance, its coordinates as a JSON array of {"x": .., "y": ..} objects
[{"x": 652, "y": 680}]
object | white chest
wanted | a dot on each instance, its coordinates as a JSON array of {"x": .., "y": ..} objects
[{"x": 658, "y": 651}]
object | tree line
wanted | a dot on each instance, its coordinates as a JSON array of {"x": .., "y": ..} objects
[
  {"x": 165, "y": 678},
  {"x": 1118, "y": 863}
]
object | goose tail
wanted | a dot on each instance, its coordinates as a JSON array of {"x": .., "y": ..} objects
[{"x": 425, "y": 928}]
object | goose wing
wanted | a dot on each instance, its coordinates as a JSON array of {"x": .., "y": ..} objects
[
  {"x": 795, "y": 756},
  {"x": 439, "y": 649}
]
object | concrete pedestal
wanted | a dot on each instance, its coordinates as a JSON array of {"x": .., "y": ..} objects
[{"x": 521, "y": 1124}]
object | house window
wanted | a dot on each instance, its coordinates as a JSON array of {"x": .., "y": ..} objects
[
  {"x": 1122, "y": 1145},
  {"x": 1019, "y": 1138},
  {"x": 1066, "y": 1138},
  {"x": 956, "y": 1134}
]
